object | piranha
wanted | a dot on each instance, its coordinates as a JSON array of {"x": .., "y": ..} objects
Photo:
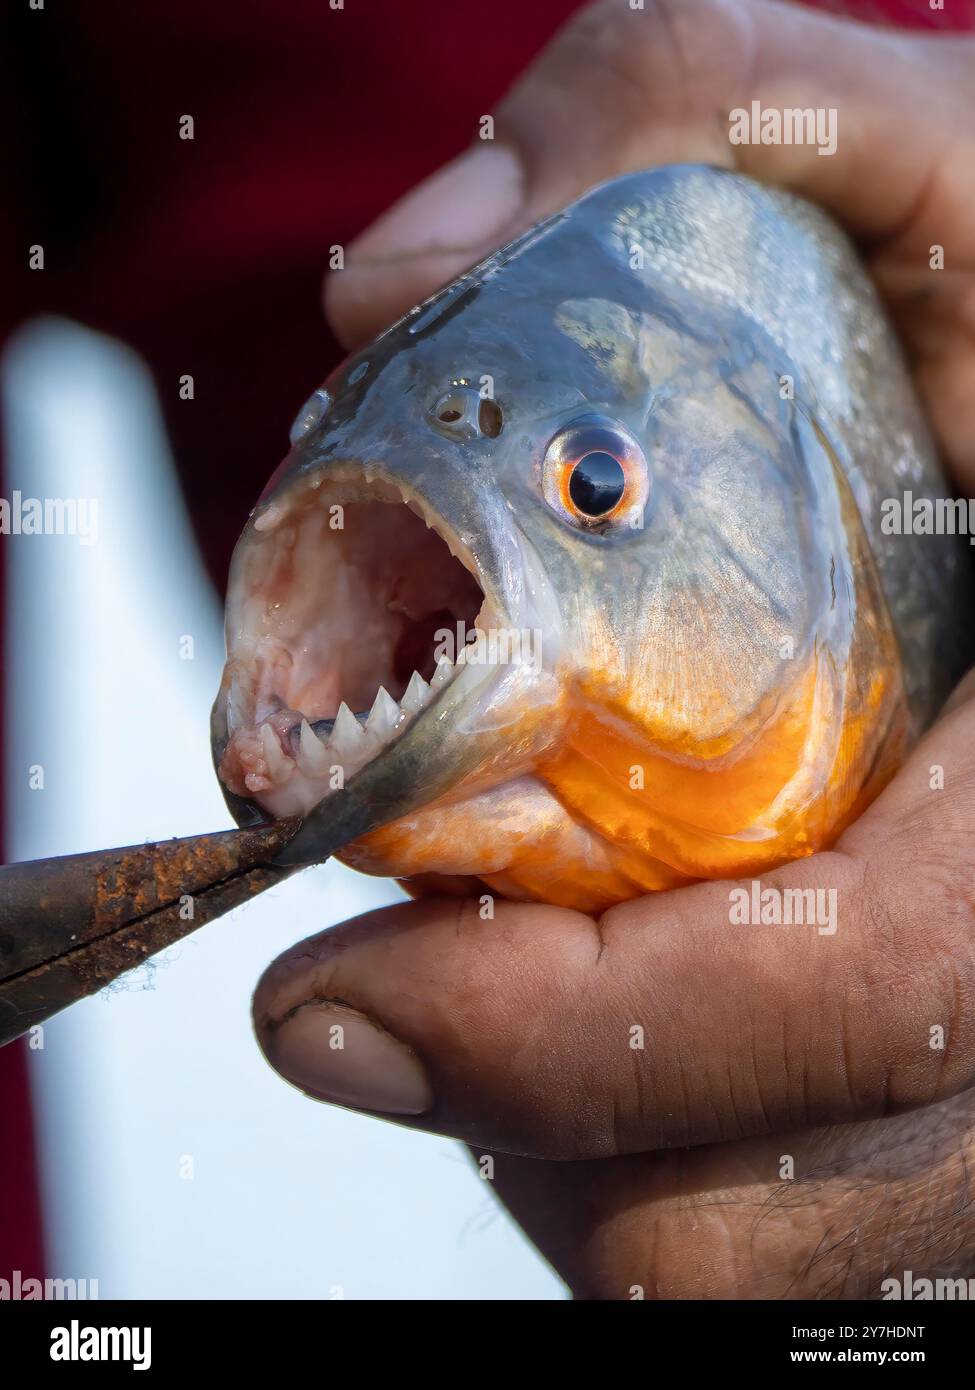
[{"x": 574, "y": 583}]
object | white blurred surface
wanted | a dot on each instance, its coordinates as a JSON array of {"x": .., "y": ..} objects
[{"x": 161, "y": 1074}]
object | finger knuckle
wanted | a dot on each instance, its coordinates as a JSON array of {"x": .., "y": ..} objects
[{"x": 918, "y": 975}]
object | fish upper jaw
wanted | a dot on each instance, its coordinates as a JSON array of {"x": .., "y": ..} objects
[{"x": 359, "y": 622}]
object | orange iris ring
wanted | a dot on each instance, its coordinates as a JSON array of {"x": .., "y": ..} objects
[{"x": 568, "y": 449}]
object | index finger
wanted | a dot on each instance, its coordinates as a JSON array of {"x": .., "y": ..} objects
[{"x": 619, "y": 90}]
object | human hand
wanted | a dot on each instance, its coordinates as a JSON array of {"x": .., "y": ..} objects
[{"x": 761, "y": 1044}]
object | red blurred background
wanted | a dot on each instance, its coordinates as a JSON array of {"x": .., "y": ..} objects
[{"x": 207, "y": 255}]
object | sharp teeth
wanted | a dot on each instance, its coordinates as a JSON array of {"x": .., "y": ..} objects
[
  {"x": 237, "y": 701},
  {"x": 347, "y": 738},
  {"x": 467, "y": 651},
  {"x": 312, "y": 757},
  {"x": 277, "y": 764},
  {"x": 383, "y": 716},
  {"x": 443, "y": 673},
  {"x": 416, "y": 695}
]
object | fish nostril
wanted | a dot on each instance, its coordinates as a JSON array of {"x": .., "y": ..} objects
[
  {"x": 452, "y": 408},
  {"x": 489, "y": 417},
  {"x": 463, "y": 413}
]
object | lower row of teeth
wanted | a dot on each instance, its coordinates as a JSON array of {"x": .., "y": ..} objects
[{"x": 349, "y": 741}]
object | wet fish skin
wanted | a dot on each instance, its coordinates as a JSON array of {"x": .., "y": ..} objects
[{"x": 756, "y": 647}]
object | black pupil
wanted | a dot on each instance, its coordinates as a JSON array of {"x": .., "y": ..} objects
[{"x": 597, "y": 484}]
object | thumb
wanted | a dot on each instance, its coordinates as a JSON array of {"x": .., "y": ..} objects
[{"x": 619, "y": 90}]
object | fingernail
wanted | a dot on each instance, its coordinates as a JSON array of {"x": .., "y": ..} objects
[
  {"x": 466, "y": 202},
  {"x": 336, "y": 1053}
]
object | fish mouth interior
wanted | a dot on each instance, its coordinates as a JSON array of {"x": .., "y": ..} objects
[{"x": 344, "y": 595}]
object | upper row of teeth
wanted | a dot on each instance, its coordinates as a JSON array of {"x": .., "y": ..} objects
[{"x": 354, "y": 740}]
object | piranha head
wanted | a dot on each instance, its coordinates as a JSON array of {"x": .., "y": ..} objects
[{"x": 558, "y": 590}]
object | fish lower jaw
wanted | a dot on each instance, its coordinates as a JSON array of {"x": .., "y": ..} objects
[{"x": 288, "y": 764}]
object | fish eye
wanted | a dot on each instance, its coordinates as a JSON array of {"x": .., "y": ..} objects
[
  {"x": 596, "y": 483},
  {"x": 595, "y": 475}
]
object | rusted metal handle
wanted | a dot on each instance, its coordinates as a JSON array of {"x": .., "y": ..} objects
[{"x": 71, "y": 925}]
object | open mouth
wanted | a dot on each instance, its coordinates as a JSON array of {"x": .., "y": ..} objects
[{"x": 352, "y": 609}]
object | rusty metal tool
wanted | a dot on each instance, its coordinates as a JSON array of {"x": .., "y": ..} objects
[{"x": 69, "y": 926}]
